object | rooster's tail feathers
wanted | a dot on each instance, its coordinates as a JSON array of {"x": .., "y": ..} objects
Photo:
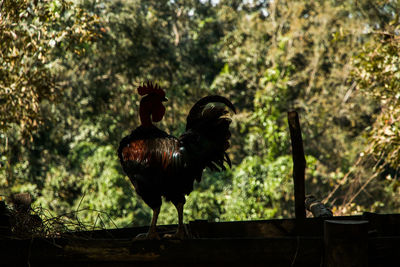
[
  {"x": 207, "y": 131},
  {"x": 196, "y": 111}
]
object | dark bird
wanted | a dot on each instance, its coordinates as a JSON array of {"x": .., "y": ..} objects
[{"x": 161, "y": 165}]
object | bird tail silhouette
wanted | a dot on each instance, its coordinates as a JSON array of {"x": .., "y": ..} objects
[{"x": 207, "y": 134}]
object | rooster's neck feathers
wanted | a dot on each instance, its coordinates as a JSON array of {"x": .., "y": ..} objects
[{"x": 145, "y": 113}]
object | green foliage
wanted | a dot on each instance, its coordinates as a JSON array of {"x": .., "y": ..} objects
[
  {"x": 376, "y": 70},
  {"x": 261, "y": 189},
  {"x": 32, "y": 32},
  {"x": 378, "y": 74},
  {"x": 97, "y": 190}
]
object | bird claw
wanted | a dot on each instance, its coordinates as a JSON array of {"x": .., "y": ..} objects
[
  {"x": 179, "y": 234},
  {"x": 147, "y": 236}
]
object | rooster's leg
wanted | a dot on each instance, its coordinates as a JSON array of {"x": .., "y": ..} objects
[
  {"x": 181, "y": 231},
  {"x": 152, "y": 234}
]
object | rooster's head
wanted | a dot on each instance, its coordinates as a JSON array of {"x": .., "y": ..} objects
[{"x": 151, "y": 106}]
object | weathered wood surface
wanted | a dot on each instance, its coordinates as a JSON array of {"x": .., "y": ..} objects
[
  {"x": 193, "y": 252},
  {"x": 299, "y": 251},
  {"x": 252, "y": 243},
  {"x": 378, "y": 223},
  {"x": 299, "y": 164},
  {"x": 383, "y": 224}
]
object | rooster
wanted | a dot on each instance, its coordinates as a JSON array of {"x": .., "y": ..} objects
[{"x": 160, "y": 165}]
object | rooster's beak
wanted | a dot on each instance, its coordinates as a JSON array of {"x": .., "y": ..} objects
[{"x": 165, "y": 99}]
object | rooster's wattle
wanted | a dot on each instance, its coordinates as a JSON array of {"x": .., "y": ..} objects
[{"x": 160, "y": 165}]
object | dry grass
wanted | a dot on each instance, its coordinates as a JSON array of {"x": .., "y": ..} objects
[{"x": 39, "y": 222}]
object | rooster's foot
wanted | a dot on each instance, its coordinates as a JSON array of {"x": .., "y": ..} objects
[
  {"x": 181, "y": 234},
  {"x": 147, "y": 236}
]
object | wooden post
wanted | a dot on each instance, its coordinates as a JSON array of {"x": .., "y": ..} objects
[
  {"x": 299, "y": 164},
  {"x": 346, "y": 243}
]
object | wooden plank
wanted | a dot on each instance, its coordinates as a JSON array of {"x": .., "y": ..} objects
[
  {"x": 299, "y": 164},
  {"x": 247, "y": 251},
  {"x": 248, "y": 229},
  {"x": 234, "y": 229},
  {"x": 119, "y": 233},
  {"x": 383, "y": 224},
  {"x": 255, "y": 243},
  {"x": 294, "y": 251}
]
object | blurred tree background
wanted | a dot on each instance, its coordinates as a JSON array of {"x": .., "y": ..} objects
[{"x": 68, "y": 77}]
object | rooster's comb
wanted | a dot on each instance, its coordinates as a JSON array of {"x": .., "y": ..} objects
[{"x": 150, "y": 88}]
